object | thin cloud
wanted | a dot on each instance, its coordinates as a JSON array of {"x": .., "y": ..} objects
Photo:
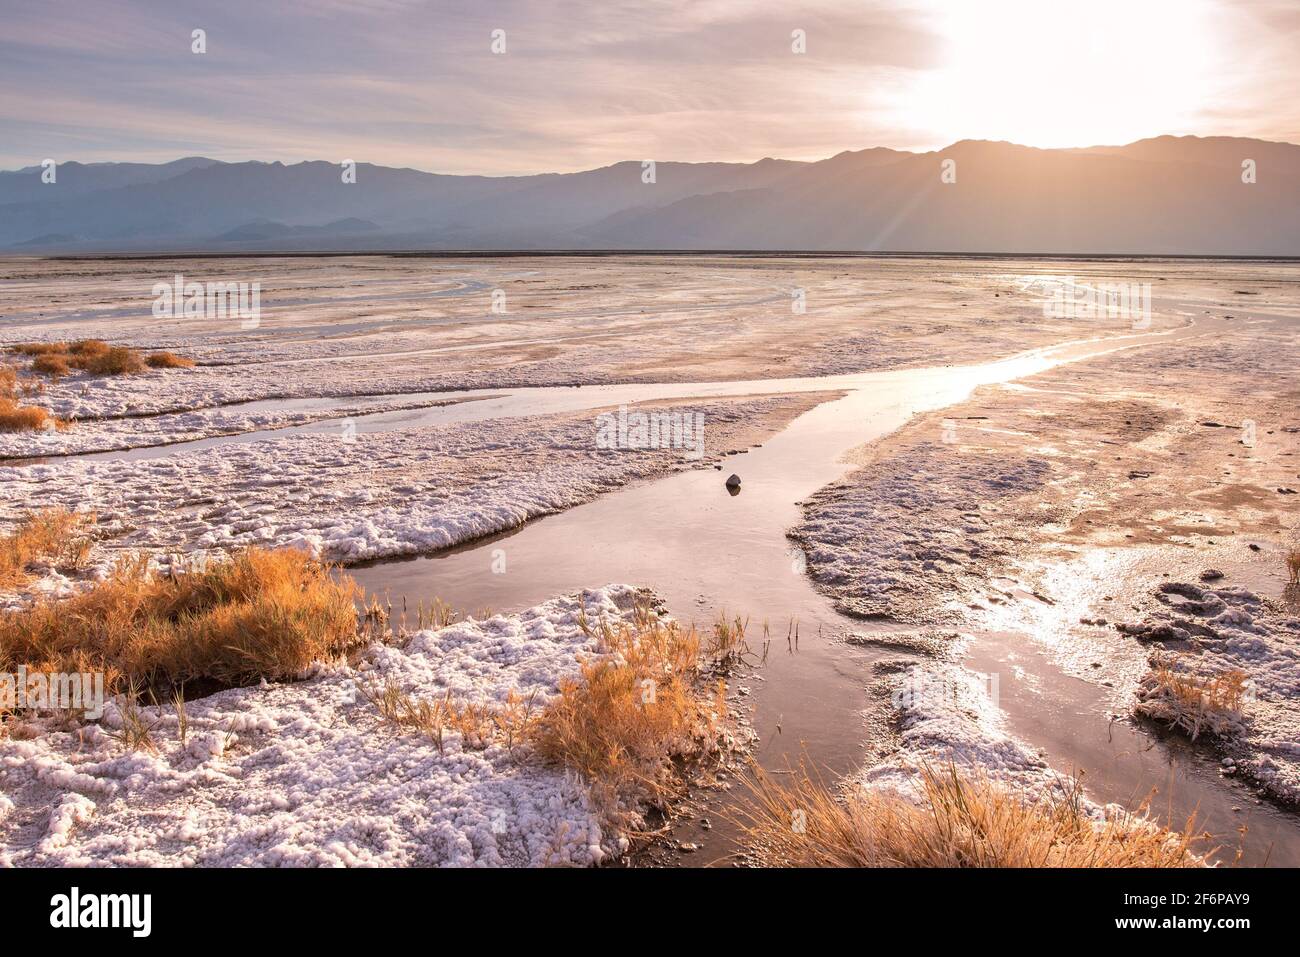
[{"x": 410, "y": 83}]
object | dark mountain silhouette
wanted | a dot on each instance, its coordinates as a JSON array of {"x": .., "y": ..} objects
[{"x": 1166, "y": 195}]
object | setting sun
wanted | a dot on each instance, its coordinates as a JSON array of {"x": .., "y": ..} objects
[{"x": 1074, "y": 73}]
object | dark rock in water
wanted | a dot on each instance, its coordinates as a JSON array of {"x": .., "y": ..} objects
[
  {"x": 733, "y": 481},
  {"x": 1211, "y": 574}
]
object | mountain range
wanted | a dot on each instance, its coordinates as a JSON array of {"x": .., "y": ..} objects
[{"x": 1161, "y": 196}]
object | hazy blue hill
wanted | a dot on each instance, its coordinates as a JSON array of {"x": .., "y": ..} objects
[{"x": 1164, "y": 195}]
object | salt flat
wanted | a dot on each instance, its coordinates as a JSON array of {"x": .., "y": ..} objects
[{"x": 952, "y": 500}]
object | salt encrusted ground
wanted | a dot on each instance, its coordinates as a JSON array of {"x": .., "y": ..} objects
[
  {"x": 1086, "y": 498},
  {"x": 917, "y": 530},
  {"x": 306, "y": 773},
  {"x": 946, "y": 716},
  {"x": 1201, "y": 631},
  {"x": 111, "y": 435},
  {"x": 380, "y": 325},
  {"x": 379, "y": 494}
]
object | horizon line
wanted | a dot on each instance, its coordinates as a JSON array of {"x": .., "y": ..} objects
[{"x": 777, "y": 159}]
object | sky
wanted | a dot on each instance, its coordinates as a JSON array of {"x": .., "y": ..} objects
[{"x": 580, "y": 85}]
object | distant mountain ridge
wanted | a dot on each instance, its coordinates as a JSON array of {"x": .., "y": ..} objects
[{"x": 1162, "y": 196}]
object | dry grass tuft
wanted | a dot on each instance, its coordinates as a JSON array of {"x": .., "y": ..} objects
[
  {"x": 726, "y": 645},
  {"x": 96, "y": 357},
  {"x": 113, "y": 360},
  {"x": 16, "y": 417},
  {"x": 262, "y": 614},
  {"x": 400, "y": 708},
  {"x": 39, "y": 348},
  {"x": 167, "y": 360},
  {"x": 27, "y": 418},
  {"x": 55, "y": 536},
  {"x": 629, "y": 723},
  {"x": 135, "y": 733},
  {"x": 634, "y": 716},
  {"x": 962, "y": 821},
  {"x": 13, "y": 385},
  {"x": 1193, "y": 703},
  {"x": 52, "y": 364},
  {"x": 479, "y": 725}
]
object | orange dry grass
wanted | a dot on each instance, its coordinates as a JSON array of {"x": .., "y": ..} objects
[
  {"x": 478, "y": 724},
  {"x": 1193, "y": 703},
  {"x": 15, "y": 417},
  {"x": 54, "y": 535},
  {"x": 26, "y": 418},
  {"x": 115, "y": 360},
  {"x": 633, "y": 715},
  {"x": 262, "y": 614},
  {"x": 962, "y": 821},
  {"x": 96, "y": 357},
  {"x": 167, "y": 360},
  {"x": 51, "y": 364}
]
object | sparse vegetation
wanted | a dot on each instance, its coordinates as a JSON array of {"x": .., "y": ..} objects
[
  {"x": 167, "y": 360},
  {"x": 99, "y": 358},
  {"x": 633, "y": 715},
  {"x": 961, "y": 821},
  {"x": 135, "y": 730},
  {"x": 16, "y": 417},
  {"x": 55, "y": 535},
  {"x": 478, "y": 724},
  {"x": 51, "y": 364},
  {"x": 261, "y": 614},
  {"x": 1193, "y": 703},
  {"x": 39, "y": 348},
  {"x": 26, "y": 418},
  {"x": 726, "y": 645},
  {"x": 629, "y": 723},
  {"x": 96, "y": 357}
]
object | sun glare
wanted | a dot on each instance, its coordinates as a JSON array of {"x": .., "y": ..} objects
[{"x": 1067, "y": 72}]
